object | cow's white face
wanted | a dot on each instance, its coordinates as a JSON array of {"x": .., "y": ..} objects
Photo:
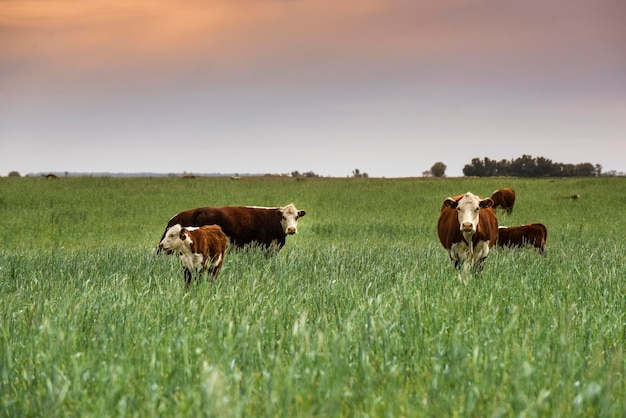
[
  {"x": 174, "y": 239},
  {"x": 289, "y": 218},
  {"x": 468, "y": 208}
]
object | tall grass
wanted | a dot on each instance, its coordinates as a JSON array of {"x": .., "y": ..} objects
[{"x": 361, "y": 314}]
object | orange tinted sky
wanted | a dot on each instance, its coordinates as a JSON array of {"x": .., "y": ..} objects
[{"x": 389, "y": 87}]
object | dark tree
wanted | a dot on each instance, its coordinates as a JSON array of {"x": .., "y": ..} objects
[
  {"x": 475, "y": 169},
  {"x": 438, "y": 169},
  {"x": 356, "y": 173},
  {"x": 527, "y": 166}
]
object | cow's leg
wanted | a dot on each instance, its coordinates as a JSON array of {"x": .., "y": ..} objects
[
  {"x": 460, "y": 254},
  {"x": 214, "y": 266},
  {"x": 200, "y": 272},
  {"x": 480, "y": 264},
  {"x": 213, "y": 272},
  {"x": 542, "y": 249},
  {"x": 481, "y": 251},
  {"x": 187, "y": 277}
]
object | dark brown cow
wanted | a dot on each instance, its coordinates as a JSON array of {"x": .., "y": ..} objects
[
  {"x": 535, "y": 234},
  {"x": 201, "y": 249},
  {"x": 504, "y": 199},
  {"x": 467, "y": 229},
  {"x": 245, "y": 225}
]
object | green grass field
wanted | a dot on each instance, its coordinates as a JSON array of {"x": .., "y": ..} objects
[{"x": 361, "y": 314}]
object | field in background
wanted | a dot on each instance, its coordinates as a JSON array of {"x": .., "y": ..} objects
[{"x": 360, "y": 314}]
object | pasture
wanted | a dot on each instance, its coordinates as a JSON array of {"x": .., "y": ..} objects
[{"x": 361, "y": 313}]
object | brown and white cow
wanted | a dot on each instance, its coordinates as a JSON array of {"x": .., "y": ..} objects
[
  {"x": 535, "y": 234},
  {"x": 245, "y": 225},
  {"x": 467, "y": 229},
  {"x": 201, "y": 249},
  {"x": 504, "y": 199}
]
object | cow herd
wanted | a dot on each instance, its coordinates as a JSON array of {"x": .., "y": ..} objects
[{"x": 467, "y": 228}]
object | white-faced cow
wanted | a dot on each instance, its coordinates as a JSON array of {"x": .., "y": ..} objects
[
  {"x": 467, "y": 229},
  {"x": 245, "y": 225},
  {"x": 201, "y": 249},
  {"x": 504, "y": 199},
  {"x": 535, "y": 234}
]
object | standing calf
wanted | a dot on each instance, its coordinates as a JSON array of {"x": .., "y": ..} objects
[
  {"x": 517, "y": 236},
  {"x": 201, "y": 249}
]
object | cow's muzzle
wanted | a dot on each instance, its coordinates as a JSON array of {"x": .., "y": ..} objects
[
  {"x": 467, "y": 227},
  {"x": 160, "y": 250}
]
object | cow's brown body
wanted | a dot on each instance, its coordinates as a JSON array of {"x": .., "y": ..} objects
[
  {"x": 467, "y": 242},
  {"x": 201, "y": 249},
  {"x": 535, "y": 234},
  {"x": 244, "y": 225},
  {"x": 504, "y": 199}
]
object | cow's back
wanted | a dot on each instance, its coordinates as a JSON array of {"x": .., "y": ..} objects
[
  {"x": 535, "y": 234},
  {"x": 242, "y": 224},
  {"x": 208, "y": 240}
]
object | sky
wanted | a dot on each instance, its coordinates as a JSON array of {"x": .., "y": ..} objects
[{"x": 388, "y": 87}]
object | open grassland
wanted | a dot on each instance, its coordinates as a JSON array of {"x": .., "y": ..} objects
[{"x": 361, "y": 314}]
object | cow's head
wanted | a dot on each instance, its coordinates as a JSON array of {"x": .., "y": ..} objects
[
  {"x": 468, "y": 208},
  {"x": 174, "y": 238},
  {"x": 289, "y": 216}
]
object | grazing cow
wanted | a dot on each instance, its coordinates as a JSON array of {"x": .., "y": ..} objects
[
  {"x": 504, "y": 199},
  {"x": 245, "y": 225},
  {"x": 201, "y": 249},
  {"x": 517, "y": 236},
  {"x": 467, "y": 228}
]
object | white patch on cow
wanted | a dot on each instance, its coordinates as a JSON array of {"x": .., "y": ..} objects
[
  {"x": 461, "y": 251},
  {"x": 481, "y": 250},
  {"x": 467, "y": 210},
  {"x": 191, "y": 261},
  {"x": 289, "y": 218},
  {"x": 172, "y": 241}
]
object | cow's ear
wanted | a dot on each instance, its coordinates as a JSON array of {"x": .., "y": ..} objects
[
  {"x": 301, "y": 213},
  {"x": 183, "y": 234},
  {"x": 486, "y": 203},
  {"x": 451, "y": 203}
]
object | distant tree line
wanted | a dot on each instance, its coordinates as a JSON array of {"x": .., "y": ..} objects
[{"x": 527, "y": 166}]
